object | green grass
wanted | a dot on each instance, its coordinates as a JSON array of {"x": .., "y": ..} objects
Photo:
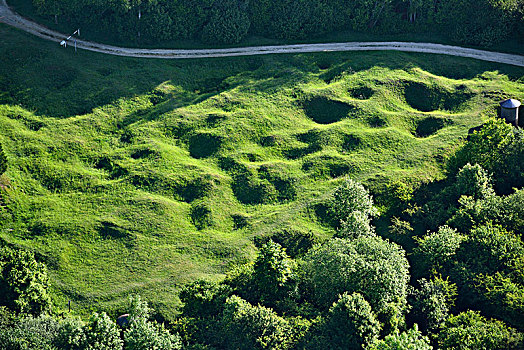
[
  {"x": 138, "y": 175},
  {"x": 26, "y": 9}
]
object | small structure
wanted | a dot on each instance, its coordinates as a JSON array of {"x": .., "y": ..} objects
[{"x": 509, "y": 110}]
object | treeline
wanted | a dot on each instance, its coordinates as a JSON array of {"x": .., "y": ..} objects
[{"x": 477, "y": 22}]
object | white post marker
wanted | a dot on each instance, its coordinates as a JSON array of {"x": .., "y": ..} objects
[{"x": 64, "y": 42}]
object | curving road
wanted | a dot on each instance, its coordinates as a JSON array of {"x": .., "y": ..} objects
[{"x": 13, "y": 19}]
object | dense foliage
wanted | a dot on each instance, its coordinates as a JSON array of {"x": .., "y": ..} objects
[
  {"x": 23, "y": 282},
  {"x": 19, "y": 331},
  {"x": 476, "y": 22}
]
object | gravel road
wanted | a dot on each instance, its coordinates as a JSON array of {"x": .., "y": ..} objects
[{"x": 13, "y": 19}]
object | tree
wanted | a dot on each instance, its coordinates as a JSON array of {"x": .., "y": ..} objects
[
  {"x": 473, "y": 181},
  {"x": 144, "y": 334},
  {"x": 366, "y": 14},
  {"x": 478, "y": 22},
  {"x": 350, "y": 324},
  {"x": 203, "y": 298},
  {"x": 156, "y": 21},
  {"x": 247, "y": 327},
  {"x": 272, "y": 272},
  {"x": 436, "y": 251},
  {"x": 71, "y": 335},
  {"x": 23, "y": 282},
  {"x": 489, "y": 249},
  {"x": 350, "y": 199},
  {"x": 483, "y": 146},
  {"x": 371, "y": 266},
  {"x": 470, "y": 331},
  {"x": 49, "y": 7},
  {"x": 30, "y": 333},
  {"x": 101, "y": 333},
  {"x": 505, "y": 211},
  {"x": 410, "y": 340},
  {"x": 228, "y": 23},
  {"x": 489, "y": 273},
  {"x": 432, "y": 302},
  {"x": 296, "y": 242},
  {"x": 497, "y": 148},
  {"x": 356, "y": 225}
]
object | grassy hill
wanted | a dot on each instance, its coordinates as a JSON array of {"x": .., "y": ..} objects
[{"x": 135, "y": 175}]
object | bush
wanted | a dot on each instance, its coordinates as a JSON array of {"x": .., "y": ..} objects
[
  {"x": 368, "y": 265},
  {"x": 436, "y": 251},
  {"x": 273, "y": 272},
  {"x": 203, "y": 299},
  {"x": 433, "y": 301},
  {"x": 23, "y": 282},
  {"x": 410, "y": 340},
  {"x": 348, "y": 198},
  {"x": 101, "y": 333},
  {"x": 244, "y": 326},
  {"x": 350, "y": 323},
  {"x": 295, "y": 242},
  {"x": 356, "y": 225},
  {"x": 470, "y": 331},
  {"x": 30, "y": 333},
  {"x": 473, "y": 181},
  {"x": 478, "y": 22},
  {"x": 141, "y": 333}
]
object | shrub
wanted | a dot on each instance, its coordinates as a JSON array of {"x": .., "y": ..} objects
[
  {"x": 23, "y": 282},
  {"x": 410, "y": 340},
  {"x": 272, "y": 272},
  {"x": 473, "y": 181},
  {"x": 144, "y": 334},
  {"x": 433, "y": 301},
  {"x": 356, "y": 225},
  {"x": 470, "y": 331},
  {"x": 350, "y": 323},
  {"x": 348, "y": 198},
  {"x": 244, "y": 326},
  {"x": 295, "y": 242},
  {"x": 30, "y": 333},
  {"x": 101, "y": 333},
  {"x": 369, "y": 265},
  {"x": 437, "y": 250},
  {"x": 203, "y": 299}
]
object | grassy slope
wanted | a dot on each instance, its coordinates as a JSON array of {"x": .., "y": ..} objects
[{"x": 107, "y": 153}]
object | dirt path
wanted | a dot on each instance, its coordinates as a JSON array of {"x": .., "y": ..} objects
[{"x": 13, "y": 19}]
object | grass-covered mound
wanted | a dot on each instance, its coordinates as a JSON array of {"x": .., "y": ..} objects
[{"x": 129, "y": 175}]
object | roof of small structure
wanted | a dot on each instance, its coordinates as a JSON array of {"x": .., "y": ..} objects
[{"x": 510, "y": 103}]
